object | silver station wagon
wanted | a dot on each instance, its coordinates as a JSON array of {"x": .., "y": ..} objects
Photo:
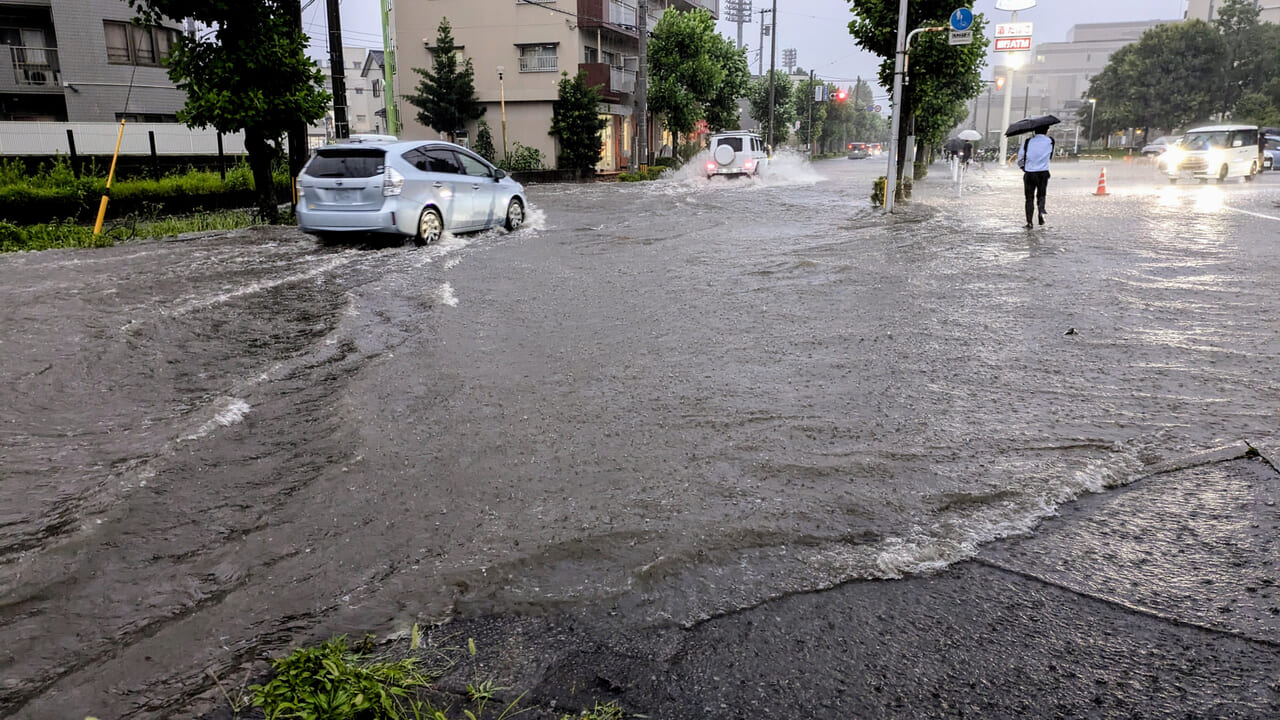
[{"x": 418, "y": 189}]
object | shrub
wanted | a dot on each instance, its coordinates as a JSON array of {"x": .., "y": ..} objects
[
  {"x": 522, "y": 157},
  {"x": 651, "y": 173},
  {"x": 877, "y": 191},
  {"x": 666, "y": 162}
]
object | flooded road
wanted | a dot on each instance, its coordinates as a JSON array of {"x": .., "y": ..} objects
[{"x": 667, "y": 400}]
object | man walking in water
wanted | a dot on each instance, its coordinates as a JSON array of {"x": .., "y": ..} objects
[{"x": 1033, "y": 158}]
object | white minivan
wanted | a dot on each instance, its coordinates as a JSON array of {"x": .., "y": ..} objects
[
  {"x": 1214, "y": 151},
  {"x": 737, "y": 152}
]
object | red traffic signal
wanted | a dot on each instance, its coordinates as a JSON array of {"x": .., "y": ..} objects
[
  {"x": 999, "y": 83},
  {"x": 841, "y": 94}
]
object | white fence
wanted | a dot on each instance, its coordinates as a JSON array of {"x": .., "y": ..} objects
[{"x": 50, "y": 138}]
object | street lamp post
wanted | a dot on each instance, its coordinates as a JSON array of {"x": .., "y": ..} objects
[
  {"x": 1093, "y": 107},
  {"x": 502, "y": 101},
  {"x": 1012, "y": 64}
]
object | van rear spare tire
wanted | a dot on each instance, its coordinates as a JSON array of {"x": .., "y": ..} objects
[{"x": 723, "y": 154}]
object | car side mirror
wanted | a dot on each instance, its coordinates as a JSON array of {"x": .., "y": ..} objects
[{"x": 499, "y": 173}]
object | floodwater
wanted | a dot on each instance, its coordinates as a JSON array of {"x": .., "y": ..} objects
[{"x": 667, "y": 400}]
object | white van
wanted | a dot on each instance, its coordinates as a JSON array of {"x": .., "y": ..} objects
[
  {"x": 737, "y": 152},
  {"x": 1214, "y": 151}
]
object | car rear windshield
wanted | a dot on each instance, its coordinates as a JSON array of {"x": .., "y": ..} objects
[
  {"x": 346, "y": 163},
  {"x": 733, "y": 142}
]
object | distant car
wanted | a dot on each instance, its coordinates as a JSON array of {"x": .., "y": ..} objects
[
  {"x": 857, "y": 151},
  {"x": 1271, "y": 153},
  {"x": 1157, "y": 147},
  {"x": 737, "y": 152},
  {"x": 1214, "y": 152},
  {"x": 418, "y": 189}
]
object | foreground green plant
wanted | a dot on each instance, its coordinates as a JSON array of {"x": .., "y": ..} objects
[
  {"x": 338, "y": 682},
  {"x": 333, "y": 682},
  {"x": 69, "y": 234}
]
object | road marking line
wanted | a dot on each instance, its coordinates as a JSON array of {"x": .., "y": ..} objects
[{"x": 1246, "y": 212}]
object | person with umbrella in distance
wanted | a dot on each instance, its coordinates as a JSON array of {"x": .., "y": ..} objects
[{"x": 1033, "y": 158}]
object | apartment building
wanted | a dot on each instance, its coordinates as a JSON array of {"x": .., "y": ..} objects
[
  {"x": 74, "y": 60},
  {"x": 366, "y": 96},
  {"x": 519, "y": 48},
  {"x": 1268, "y": 10}
]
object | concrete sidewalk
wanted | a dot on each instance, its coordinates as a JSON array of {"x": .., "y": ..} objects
[{"x": 1160, "y": 599}]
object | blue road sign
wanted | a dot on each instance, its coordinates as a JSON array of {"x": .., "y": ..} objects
[{"x": 961, "y": 19}]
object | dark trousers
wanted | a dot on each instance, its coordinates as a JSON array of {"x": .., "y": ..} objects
[{"x": 1034, "y": 186}]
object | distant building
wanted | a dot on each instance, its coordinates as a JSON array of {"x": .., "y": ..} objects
[
  {"x": 74, "y": 60},
  {"x": 366, "y": 96},
  {"x": 1054, "y": 77},
  {"x": 534, "y": 42},
  {"x": 1269, "y": 10}
]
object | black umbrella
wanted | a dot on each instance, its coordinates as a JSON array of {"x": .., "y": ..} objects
[
  {"x": 955, "y": 145},
  {"x": 1031, "y": 124}
]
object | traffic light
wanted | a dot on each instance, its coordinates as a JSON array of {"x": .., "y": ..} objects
[
  {"x": 999, "y": 83},
  {"x": 841, "y": 94}
]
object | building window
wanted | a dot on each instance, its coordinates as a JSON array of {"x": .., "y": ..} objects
[
  {"x": 377, "y": 88},
  {"x": 538, "y": 58},
  {"x": 589, "y": 55},
  {"x": 359, "y": 91},
  {"x": 129, "y": 44}
]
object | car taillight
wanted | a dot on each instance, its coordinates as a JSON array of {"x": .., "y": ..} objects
[
  {"x": 711, "y": 166},
  {"x": 392, "y": 182},
  {"x": 748, "y": 164}
]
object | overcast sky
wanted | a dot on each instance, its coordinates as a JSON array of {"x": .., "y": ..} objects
[{"x": 817, "y": 29}]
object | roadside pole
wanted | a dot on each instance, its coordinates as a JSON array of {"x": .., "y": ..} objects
[
  {"x": 1008, "y": 98},
  {"x": 642, "y": 91},
  {"x": 773, "y": 57},
  {"x": 891, "y": 177},
  {"x": 811, "y": 104}
]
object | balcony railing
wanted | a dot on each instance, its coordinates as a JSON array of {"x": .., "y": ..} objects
[
  {"x": 614, "y": 82},
  {"x": 539, "y": 63},
  {"x": 35, "y": 66}
]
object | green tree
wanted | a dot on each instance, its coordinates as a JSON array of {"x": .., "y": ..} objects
[
  {"x": 446, "y": 97},
  {"x": 694, "y": 73},
  {"x": 804, "y": 102},
  {"x": 837, "y": 123},
  {"x": 484, "y": 142},
  {"x": 1167, "y": 79},
  {"x": 943, "y": 77},
  {"x": 784, "y": 107},
  {"x": 576, "y": 123},
  {"x": 1256, "y": 108},
  {"x": 1236, "y": 22},
  {"x": 226, "y": 87}
]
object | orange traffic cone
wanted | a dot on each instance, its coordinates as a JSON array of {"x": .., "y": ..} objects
[{"x": 1102, "y": 183}]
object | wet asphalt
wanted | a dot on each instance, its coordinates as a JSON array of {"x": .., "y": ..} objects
[{"x": 823, "y": 465}]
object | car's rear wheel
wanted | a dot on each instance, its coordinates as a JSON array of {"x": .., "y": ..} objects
[
  {"x": 1253, "y": 170},
  {"x": 515, "y": 214},
  {"x": 430, "y": 227},
  {"x": 1222, "y": 174}
]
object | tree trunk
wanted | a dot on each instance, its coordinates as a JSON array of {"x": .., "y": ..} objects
[{"x": 260, "y": 157}]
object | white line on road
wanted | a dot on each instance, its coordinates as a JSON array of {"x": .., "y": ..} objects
[{"x": 1246, "y": 212}]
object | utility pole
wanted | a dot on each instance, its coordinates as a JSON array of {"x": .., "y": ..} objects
[
  {"x": 298, "y": 132},
  {"x": 389, "y": 73},
  {"x": 337, "y": 73},
  {"x": 763, "y": 29},
  {"x": 891, "y": 177},
  {"x": 642, "y": 88},
  {"x": 773, "y": 58},
  {"x": 812, "y": 102}
]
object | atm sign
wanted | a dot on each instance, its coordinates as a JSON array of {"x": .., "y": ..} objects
[{"x": 1012, "y": 44}]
